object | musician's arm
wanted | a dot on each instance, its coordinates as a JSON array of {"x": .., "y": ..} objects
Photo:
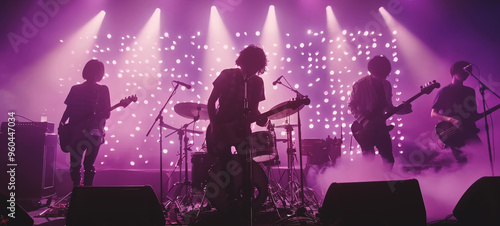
[
  {"x": 354, "y": 103},
  {"x": 405, "y": 109},
  {"x": 441, "y": 117},
  {"x": 106, "y": 103},
  {"x": 211, "y": 104},
  {"x": 64, "y": 117}
]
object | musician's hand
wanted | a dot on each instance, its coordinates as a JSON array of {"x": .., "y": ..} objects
[
  {"x": 454, "y": 121},
  {"x": 262, "y": 121}
]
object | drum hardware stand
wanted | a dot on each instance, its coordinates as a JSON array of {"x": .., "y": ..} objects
[
  {"x": 292, "y": 184},
  {"x": 301, "y": 210},
  {"x": 187, "y": 199},
  {"x": 271, "y": 182},
  {"x": 160, "y": 118},
  {"x": 203, "y": 197},
  {"x": 275, "y": 189}
]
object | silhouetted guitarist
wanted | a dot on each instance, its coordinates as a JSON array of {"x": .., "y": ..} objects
[
  {"x": 456, "y": 103},
  {"x": 87, "y": 108},
  {"x": 229, "y": 123},
  {"x": 370, "y": 100}
]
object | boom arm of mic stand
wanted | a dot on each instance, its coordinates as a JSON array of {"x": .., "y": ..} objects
[
  {"x": 161, "y": 110},
  {"x": 484, "y": 86},
  {"x": 160, "y": 117}
]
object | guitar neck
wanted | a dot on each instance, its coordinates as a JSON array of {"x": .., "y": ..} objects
[
  {"x": 109, "y": 110},
  {"x": 489, "y": 111},
  {"x": 399, "y": 107},
  {"x": 114, "y": 107}
]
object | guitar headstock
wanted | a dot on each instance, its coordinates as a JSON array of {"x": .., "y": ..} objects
[
  {"x": 126, "y": 101},
  {"x": 428, "y": 87}
]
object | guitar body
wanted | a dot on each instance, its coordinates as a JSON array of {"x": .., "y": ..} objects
[
  {"x": 65, "y": 133},
  {"x": 231, "y": 133},
  {"x": 71, "y": 133},
  {"x": 453, "y": 136},
  {"x": 224, "y": 134},
  {"x": 93, "y": 127},
  {"x": 364, "y": 135}
]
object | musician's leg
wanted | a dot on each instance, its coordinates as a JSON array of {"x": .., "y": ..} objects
[
  {"x": 88, "y": 165},
  {"x": 368, "y": 147},
  {"x": 384, "y": 146},
  {"x": 459, "y": 155},
  {"x": 75, "y": 154}
]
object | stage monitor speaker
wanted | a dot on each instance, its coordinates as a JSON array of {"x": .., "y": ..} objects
[
  {"x": 387, "y": 203},
  {"x": 13, "y": 215},
  {"x": 480, "y": 204},
  {"x": 130, "y": 206}
]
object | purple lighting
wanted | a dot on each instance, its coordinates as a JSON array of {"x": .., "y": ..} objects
[{"x": 319, "y": 48}]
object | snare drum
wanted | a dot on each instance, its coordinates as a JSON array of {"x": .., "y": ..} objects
[{"x": 263, "y": 146}]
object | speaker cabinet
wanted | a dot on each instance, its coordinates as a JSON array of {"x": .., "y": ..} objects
[
  {"x": 130, "y": 206},
  {"x": 35, "y": 154},
  {"x": 387, "y": 203},
  {"x": 480, "y": 204}
]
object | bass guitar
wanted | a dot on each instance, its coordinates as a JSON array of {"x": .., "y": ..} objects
[
  {"x": 68, "y": 132},
  {"x": 361, "y": 134},
  {"x": 455, "y": 136}
]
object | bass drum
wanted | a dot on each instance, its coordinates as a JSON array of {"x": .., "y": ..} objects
[{"x": 224, "y": 179}]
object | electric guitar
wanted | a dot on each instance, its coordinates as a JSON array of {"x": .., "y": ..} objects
[
  {"x": 230, "y": 133},
  {"x": 455, "y": 136},
  {"x": 361, "y": 133},
  {"x": 68, "y": 132}
]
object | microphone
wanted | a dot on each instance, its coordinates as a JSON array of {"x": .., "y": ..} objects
[
  {"x": 468, "y": 65},
  {"x": 183, "y": 84},
  {"x": 277, "y": 80}
]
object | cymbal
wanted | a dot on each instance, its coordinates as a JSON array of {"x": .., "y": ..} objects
[
  {"x": 192, "y": 110},
  {"x": 285, "y": 112},
  {"x": 187, "y": 130}
]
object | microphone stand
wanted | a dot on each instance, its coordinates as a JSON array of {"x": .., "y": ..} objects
[
  {"x": 160, "y": 118},
  {"x": 482, "y": 88},
  {"x": 248, "y": 161},
  {"x": 301, "y": 210}
]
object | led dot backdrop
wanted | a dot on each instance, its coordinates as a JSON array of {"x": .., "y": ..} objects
[{"x": 145, "y": 50}]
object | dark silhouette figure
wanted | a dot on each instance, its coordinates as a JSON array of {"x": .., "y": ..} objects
[{"x": 87, "y": 108}]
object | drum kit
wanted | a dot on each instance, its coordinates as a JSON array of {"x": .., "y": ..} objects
[{"x": 264, "y": 152}]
